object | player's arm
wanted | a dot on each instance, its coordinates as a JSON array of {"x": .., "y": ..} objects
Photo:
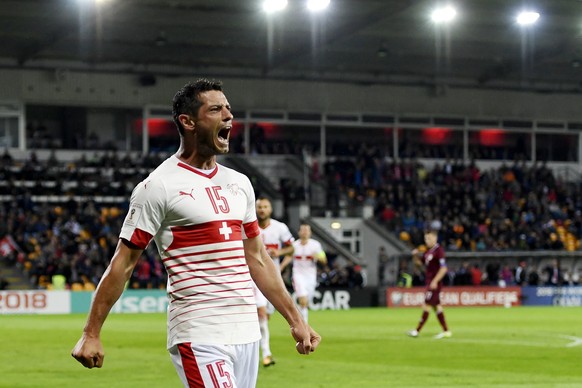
[
  {"x": 286, "y": 250},
  {"x": 89, "y": 350},
  {"x": 286, "y": 261},
  {"x": 416, "y": 255},
  {"x": 438, "y": 277},
  {"x": 269, "y": 281},
  {"x": 321, "y": 257}
]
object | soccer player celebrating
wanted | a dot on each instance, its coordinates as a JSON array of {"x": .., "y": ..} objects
[
  {"x": 307, "y": 253},
  {"x": 436, "y": 268},
  {"x": 202, "y": 218},
  {"x": 278, "y": 241}
]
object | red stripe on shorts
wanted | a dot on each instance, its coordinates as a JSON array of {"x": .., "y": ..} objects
[{"x": 190, "y": 365}]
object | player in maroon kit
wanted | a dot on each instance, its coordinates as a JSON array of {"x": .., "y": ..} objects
[{"x": 436, "y": 268}]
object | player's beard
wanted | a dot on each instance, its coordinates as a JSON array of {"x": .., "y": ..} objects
[
  {"x": 262, "y": 218},
  {"x": 208, "y": 144}
]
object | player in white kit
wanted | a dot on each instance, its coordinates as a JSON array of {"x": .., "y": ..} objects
[
  {"x": 307, "y": 253},
  {"x": 278, "y": 241},
  {"x": 202, "y": 218}
]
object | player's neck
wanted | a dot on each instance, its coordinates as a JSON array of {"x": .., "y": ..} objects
[
  {"x": 189, "y": 156},
  {"x": 264, "y": 223}
]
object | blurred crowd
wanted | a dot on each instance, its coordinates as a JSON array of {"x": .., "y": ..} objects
[
  {"x": 58, "y": 225},
  {"x": 495, "y": 273},
  {"x": 517, "y": 206},
  {"x": 62, "y": 221},
  {"x": 53, "y": 226}
]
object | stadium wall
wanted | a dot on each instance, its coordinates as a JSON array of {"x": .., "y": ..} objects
[{"x": 123, "y": 90}]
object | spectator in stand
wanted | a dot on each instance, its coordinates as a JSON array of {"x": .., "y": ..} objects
[
  {"x": 492, "y": 270},
  {"x": 553, "y": 273},
  {"x": 463, "y": 275},
  {"x": 476, "y": 275},
  {"x": 404, "y": 278},
  {"x": 142, "y": 273},
  {"x": 533, "y": 278},
  {"x": 520, "y": 273},
  {"x": 356, "y": 278},
  {"x": 506, "y": 276}
]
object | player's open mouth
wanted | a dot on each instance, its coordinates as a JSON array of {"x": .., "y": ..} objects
[{"x": 223, "y": 135}]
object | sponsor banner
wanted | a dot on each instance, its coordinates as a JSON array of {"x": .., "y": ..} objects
[
  {"x": 456, "y": 296},
  {"x": 552, "y": 296},
  {"x": 131, "y": 301},
  {"x": 342, "y": 298},
  {"x": 152, "y": 301},
  {"x": 35, "y": 302}
]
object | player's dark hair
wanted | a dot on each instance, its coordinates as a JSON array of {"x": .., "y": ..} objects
[
  {"x": 186, "y": 99},
  {"x": 263, "y": 199}
]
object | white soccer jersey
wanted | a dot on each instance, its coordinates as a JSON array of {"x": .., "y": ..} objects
[
  {"x": 276, "y": 235},
  {"x": 198, "y": 222},
  {"x": 305, "y": 266}
]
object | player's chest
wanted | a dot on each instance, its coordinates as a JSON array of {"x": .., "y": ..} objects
[
  {"x": 207, "y": 201},
  {"x": 303, "y": 252},
  {"x": 429, "y": 257},
  {"x": 271, "y": 237}
]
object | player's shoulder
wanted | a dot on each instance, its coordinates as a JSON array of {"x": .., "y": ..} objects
[
  {"x": 314, "y": 242},
  {"x": 232, "y": 174},
  {"x": 164, "y": 169},
  {"x": 277, "y": 224},
  {"x": 157, "y": 180},
  {"x": 228, "y": 170},
  {"x": 440, "y": 251}
]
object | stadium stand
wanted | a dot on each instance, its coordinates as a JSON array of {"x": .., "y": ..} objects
[{"x": 60, "y": 228}]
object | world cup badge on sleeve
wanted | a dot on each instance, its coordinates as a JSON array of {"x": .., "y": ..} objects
[{"x": 133, "y": 214}]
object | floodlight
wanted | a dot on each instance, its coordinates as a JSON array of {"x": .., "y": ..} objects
[
  {"x": 317, "y": 5},
  {"x": 270, "y": 6},
  {"x": 527, "y": 18},
  {"x": 443, "y": 15}
]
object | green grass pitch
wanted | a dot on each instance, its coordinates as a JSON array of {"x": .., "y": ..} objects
[{"x": 365, "y": 347}]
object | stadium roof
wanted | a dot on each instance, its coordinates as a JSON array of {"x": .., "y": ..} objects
[{"x": 361, "y": 41}]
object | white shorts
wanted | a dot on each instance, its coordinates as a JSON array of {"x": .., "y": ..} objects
[
  {"x": 199, "y": 366},
  {"x": 262, "y": 301},
  {"x": 304, "y": 286}
]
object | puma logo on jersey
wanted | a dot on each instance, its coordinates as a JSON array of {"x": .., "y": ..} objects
[{"x": 188, "y": 194}]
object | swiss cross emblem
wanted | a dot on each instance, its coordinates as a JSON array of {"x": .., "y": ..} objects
[{"x": 225, "y": 230}]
